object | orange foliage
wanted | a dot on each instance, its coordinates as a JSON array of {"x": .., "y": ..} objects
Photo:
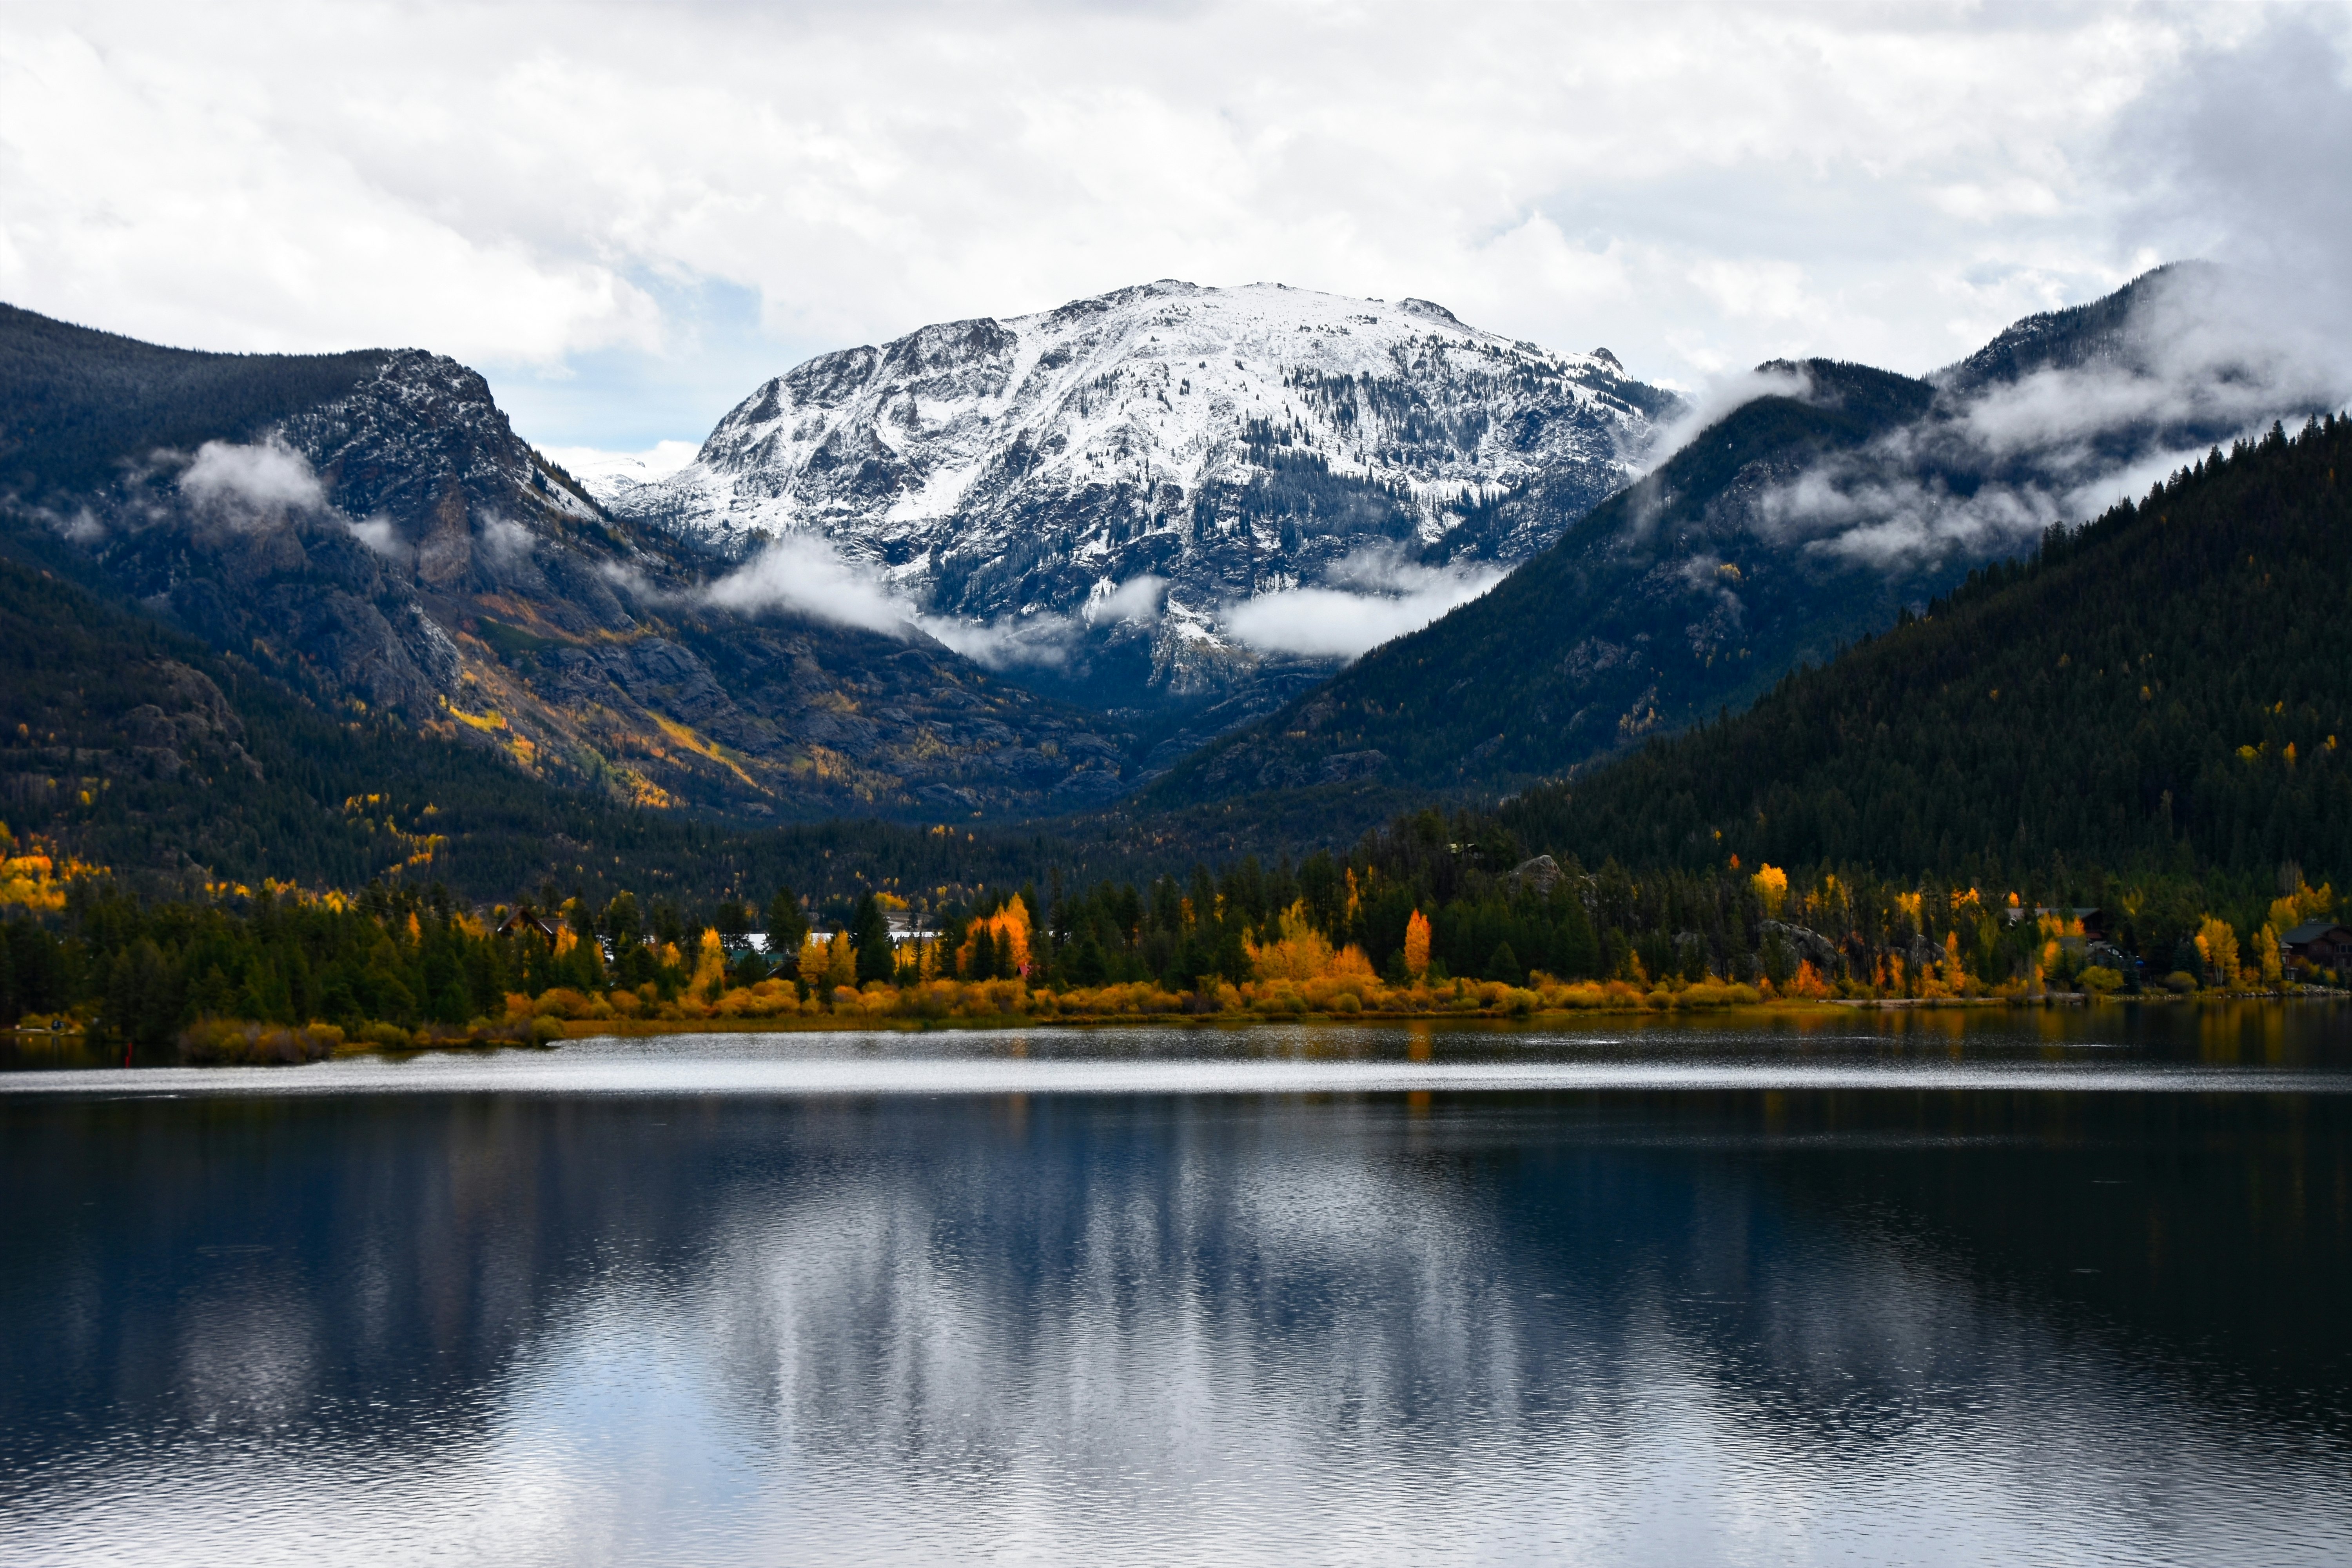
[
  {"x": 1416, "y": 945},
  {"x": 1012, "y": 922}
]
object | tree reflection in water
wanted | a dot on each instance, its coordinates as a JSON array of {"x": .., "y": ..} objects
[{"x": 1947, "y": 1325}]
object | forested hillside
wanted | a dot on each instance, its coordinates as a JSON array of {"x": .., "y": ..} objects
[
  {"x": 139, "y": 749},
  {"x": 76, "y": 403},
  {"x": 370, "y": 531},
  {"x": 1667, "y": 600},
  {"x": 2169, "y": 688}
]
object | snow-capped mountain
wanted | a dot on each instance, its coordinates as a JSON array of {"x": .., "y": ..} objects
[{"x": 1100, "y": 493}]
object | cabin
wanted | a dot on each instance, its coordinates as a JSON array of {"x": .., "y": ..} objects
[
  {"x": 523, "y": 921},
  {"x": 2318, "y": 944}
]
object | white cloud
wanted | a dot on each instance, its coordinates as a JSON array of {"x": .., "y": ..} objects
[
  {"x": 1041, "y": 640},
  {"x": 541, "y": 186},
  {"x": 244, "y": 482},
  {"x": 2207, "y": 355},
  {"x": 1380, "y": 598},
  {"x": 377, "y": 534},
  {"x": 1717, "y": 396},
  {"x": 805, "y": 575},
  {"x": 503, "y": 539},
  {"x": 1134, "y": 602}
]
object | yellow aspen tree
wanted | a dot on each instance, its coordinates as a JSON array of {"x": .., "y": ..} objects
[
  {"x": 1013, "y": 920},
  {"x": 1416, "y": 946},
  {"x": 709, "y": 961},
  {"x": 2266, "y": 946},
  {"x": 1771, "y": 885},
  {"x": 2217, "y": 944}
]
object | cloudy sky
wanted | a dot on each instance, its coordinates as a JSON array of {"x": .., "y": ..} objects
[{"x": 628, "y": 215}]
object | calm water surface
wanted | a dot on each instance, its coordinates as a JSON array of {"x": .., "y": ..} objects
[{"x": 1956, "y": 1288}]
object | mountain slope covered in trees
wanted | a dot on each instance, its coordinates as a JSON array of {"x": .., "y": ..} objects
[
  {"x": 137, "y": 748},
  {"x": 2167, "y": 689},
  {"x": 77, "y": 405}
]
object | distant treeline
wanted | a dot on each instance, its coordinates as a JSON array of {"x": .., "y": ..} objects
[{"x": 1424, "y": 903}]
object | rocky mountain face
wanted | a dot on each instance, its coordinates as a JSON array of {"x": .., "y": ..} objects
[
  {"x": 1820, "y": 509},
  {"x": 370, "y": 530},
  {"x": 1093, "y": 498}
]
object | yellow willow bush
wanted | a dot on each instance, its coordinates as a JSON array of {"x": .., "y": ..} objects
[{"x": 1300, "y": 954}]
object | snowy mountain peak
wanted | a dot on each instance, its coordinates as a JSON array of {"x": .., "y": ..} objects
[{"x": 1228, "y": 443}]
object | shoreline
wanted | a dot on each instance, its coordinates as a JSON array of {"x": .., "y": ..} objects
[{"x": 832, "y": 1023}]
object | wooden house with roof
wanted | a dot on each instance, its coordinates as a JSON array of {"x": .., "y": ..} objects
[{"x": 2316, "y": 945}]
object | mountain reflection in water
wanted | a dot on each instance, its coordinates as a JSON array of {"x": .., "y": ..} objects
[{"x": 1942, "y": 1324}]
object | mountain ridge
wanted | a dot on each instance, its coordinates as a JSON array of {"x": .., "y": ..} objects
[
  {"x": 1082, "y": 495},
  {"x": 370, "y": 530}
]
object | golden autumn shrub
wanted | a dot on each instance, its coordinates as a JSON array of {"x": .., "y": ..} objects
[{"x": 1299, "y": 954}]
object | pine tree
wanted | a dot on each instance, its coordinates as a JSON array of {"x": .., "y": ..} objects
[{"x": 870, "y": 934}]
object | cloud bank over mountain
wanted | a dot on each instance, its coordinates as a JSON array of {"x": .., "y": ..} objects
[{"x": 629, "y": 214}]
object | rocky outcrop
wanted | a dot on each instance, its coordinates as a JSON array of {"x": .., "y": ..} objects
[
  {"x": 1542, "y": 875},
  {"x": 1809, "y": 946}
]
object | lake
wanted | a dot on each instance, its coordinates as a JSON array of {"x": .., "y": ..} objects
[{"x": 1962, "y": 1287}]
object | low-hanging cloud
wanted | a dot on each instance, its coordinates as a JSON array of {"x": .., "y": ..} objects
[
  {"x": 1369, "y": 598},
  {"x": 503, "y": 540},
  {"x": 1719, "y": 398},
  {"x": 806, "y": 575},
  {"x": 1134, "y": 602},
  {"x": 248, "y": 481},
  {"x": 2206, "y": 355},
  {"x": 378, "y": 534}
]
